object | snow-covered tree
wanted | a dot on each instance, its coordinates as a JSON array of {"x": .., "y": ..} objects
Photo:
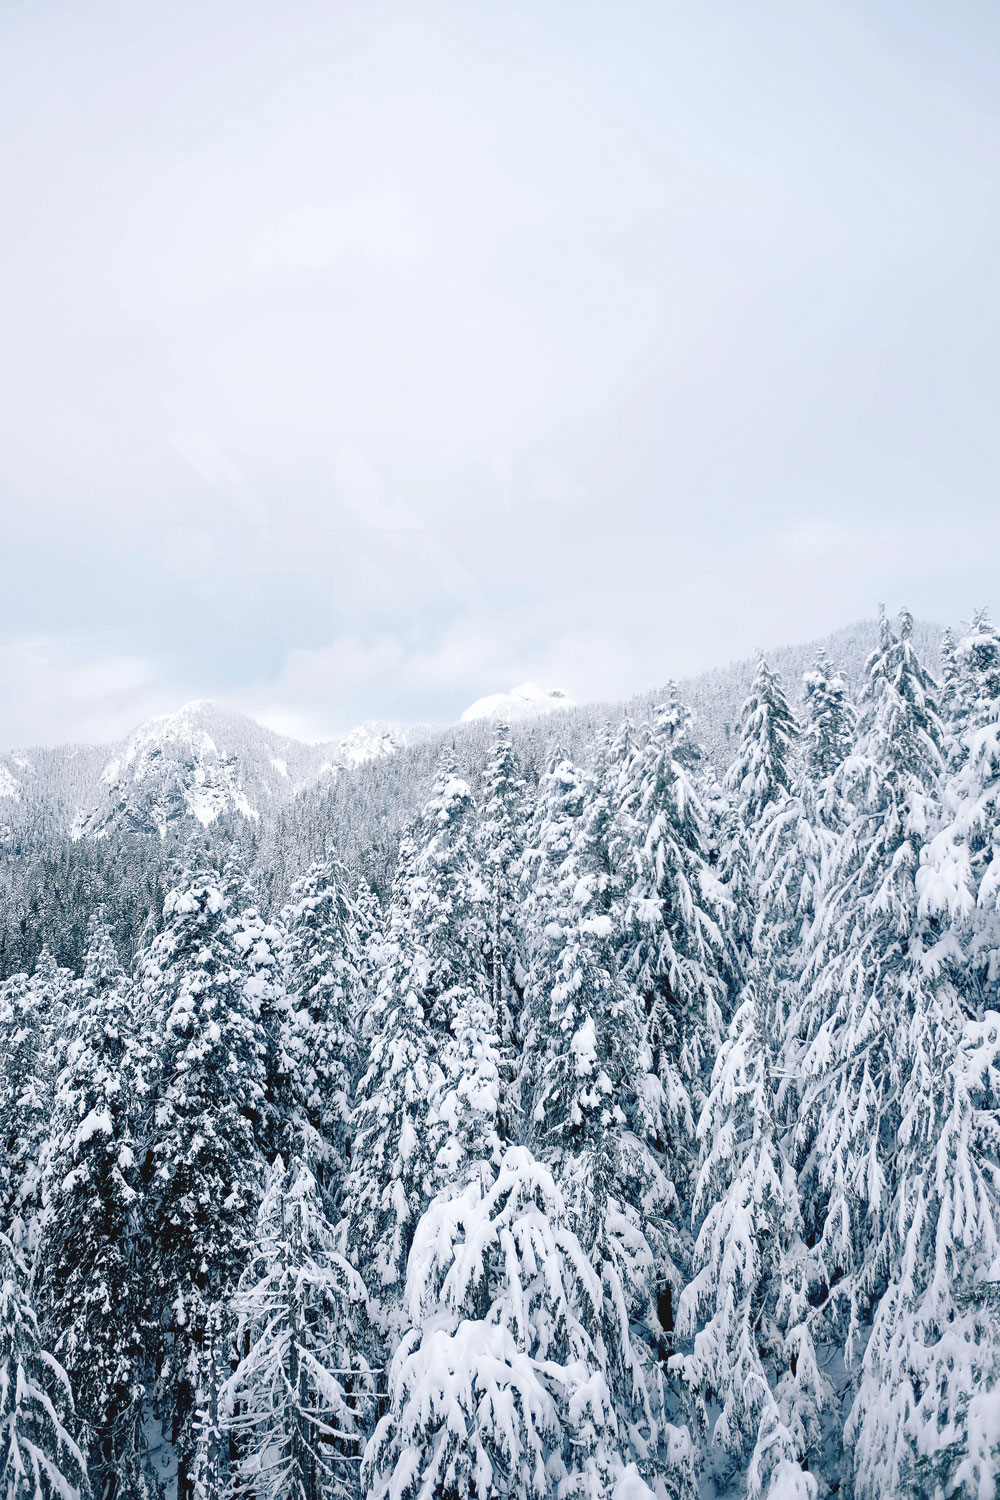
[
  {"x": 208, "y": 1117},
  {"x": 828, "y": 728},
  {"x": 325, "y": 962},
  {"x": 39, "y": 1457},
  {"x": 869, "y": 975},
  {"x": 33, "y": 1013},
  {"x": 501, "y": 1387},
  {"x": 300, "y": 1401},
  {"x": 926, "y": 1419},
  {"x": 395, "y": 1141},
  {"x": 677, "y": 949},
  {"x": 587, "y": 1076},
  {"x": 745, "y": 1307},
  {"x": 763, "y": 767},
  {"x": 91, "y": 1299},
  {"x": 500, "y": 835}
]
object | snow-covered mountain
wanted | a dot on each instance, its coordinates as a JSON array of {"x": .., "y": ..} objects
[
  {"x": 524, "y": 702},
  {"x": 205, "y": 762}
]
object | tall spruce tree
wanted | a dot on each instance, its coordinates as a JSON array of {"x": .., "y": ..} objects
[
  {"x": 39, "y": 1457},
  {"x": 871, "y": 973},
  {"x": 325, "y": 964},
  {"x": 745, "y": 1307},
  {"x": 302, "y": 1396},
  {"x": 208, "y": 1118},
  {"x": 91, "y": 1297},
  {"x": 428, "y": 1100}
]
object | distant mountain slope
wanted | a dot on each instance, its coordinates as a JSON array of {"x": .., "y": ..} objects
[
  {"x": 205, "y": 762},
  {"x": 524, "y": 702},
  {"x": 717, "y": 696}
]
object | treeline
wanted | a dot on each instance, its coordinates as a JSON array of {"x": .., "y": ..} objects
[{"x": 642, "y": 1142}]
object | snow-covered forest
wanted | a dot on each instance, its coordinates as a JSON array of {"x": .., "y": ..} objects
[{"x": 560, "y": 1112}]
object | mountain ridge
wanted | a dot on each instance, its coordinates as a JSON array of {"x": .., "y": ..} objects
[{"x": 206, "y": 760}]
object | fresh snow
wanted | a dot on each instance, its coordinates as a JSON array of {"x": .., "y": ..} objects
[{"x": 522, "y": 702}]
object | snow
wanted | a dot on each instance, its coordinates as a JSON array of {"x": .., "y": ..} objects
[
  {"x": 522, "y": 702},
  {"x": 8, "y": 785}
]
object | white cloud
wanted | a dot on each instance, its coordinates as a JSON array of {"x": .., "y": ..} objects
[{"x": 55, "y": 690}]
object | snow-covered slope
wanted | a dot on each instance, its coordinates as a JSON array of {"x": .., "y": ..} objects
[
  {"x": 205, "y": 762},
  {"x": 368, "y": 741},
  {"x": 200, "y": 763},
  {"x": 522, "y": 702}
]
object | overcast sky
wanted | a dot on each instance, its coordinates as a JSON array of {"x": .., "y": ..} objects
[{"x": 359, "y": 359}]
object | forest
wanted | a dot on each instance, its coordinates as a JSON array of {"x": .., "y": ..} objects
[{"x": 599, "y": 1122}]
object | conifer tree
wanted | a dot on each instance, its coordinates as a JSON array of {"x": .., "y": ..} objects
[
  {"x": 868, "y": 977},
  {"x": 209, "y": 1116},
  {"x": 828, "y": 731},
  {"x": 745, "y": 1308},
  {"x": 678, "y": 953},
  {"x": 39, "y": 1457},
  {"x": 827, "y": 741},
  {"x": 92, "y": 1300},
  {"x": 585, "y": 1068},
  {"x": 925, "y": 1419},
  {"x": 762, "y": 770},
  {"x": 501, "y": 838},
  {"x": 301, "y": 1397},
  {"x": 428, "y": 1100},
  {"x": 504, "y": 1392},
  {"x": 324, "y": 963},
  {"x": 33, "y": 1013}
]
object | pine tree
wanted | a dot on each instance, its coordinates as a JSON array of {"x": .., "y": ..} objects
[
  {"x": 746, "y": 1304},
  {"x": 500, "y": 1389},
  {"x": 925, "y": 1419},
  {"x": 828, "y": 732},
  {"x": 500, "y": 834},
  {"x": 827, "y": 741},
  {"x": 39, "y": 1458},
  {"x": 209, "y": 1116},
  {"x": 585, "y": 1068},
  {"x": 762, "y": 770},
  {"x": 92, "y": 1300},
  {"x": 33, "y": 1016},
  {"x": 868, "y": 977},
  {"x": 324, "y": 962},
  {"x": 299, "y": 1402},
  {"x": 678, "y": 953}
]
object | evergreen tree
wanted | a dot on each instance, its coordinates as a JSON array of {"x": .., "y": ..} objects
[
  {"x": 324, "y": 962},
  {"x": 395, "y": 1140},
  {"x": 585, "y": 1066},
  {"x": 763, "y": 768},
  {"x": 746, "y": 1305},
  {"x": 33, "y": 1016},
  {"x": 925, "y": 1419},
  {"x": 39, "y": 1458},
  {"x": 92, "y": 1300},
  {"x": 870, "y": 974},
  {"x": 293, "y": 1404},
  {"x": 827, "y": 741},
  {"x": 677, "y": 948},
  {"x": 208, "y": 1117},
  {"x": 501, "y": 838},
  {"x": 828, "y": 732},
  {"x": 504, "y": 1391}
]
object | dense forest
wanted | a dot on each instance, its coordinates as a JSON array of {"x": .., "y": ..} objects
[{"x": 614, "y": 1125}]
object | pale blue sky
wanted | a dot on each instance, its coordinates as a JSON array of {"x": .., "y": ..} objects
[{"x": 359, "y": 359}]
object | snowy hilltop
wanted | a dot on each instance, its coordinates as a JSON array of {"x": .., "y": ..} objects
[{"x": 520, "y": 703}]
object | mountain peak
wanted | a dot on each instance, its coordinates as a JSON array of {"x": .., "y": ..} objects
[{"x": 523, "y": 702}]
